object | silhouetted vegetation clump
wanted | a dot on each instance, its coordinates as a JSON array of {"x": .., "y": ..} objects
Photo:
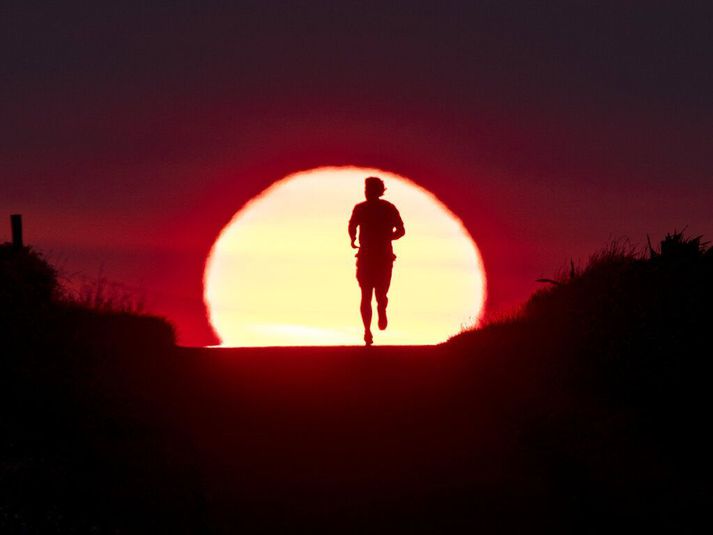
[
  {"x": 28, "y": 292},
  {"x": 37, "y": 311},
  {"x": 26, "y": 279},
  {"x": 637, "y": 317},
  {"x": 70, "y": 432},
  {"x": 622, "y": 348}
]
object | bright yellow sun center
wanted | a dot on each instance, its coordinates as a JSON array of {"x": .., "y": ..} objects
[{"x": 282, "y": 272}]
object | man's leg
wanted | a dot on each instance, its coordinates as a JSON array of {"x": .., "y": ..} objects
[
  {"x": 366, "y": 294},
  {"x": 382, "y": 301}
]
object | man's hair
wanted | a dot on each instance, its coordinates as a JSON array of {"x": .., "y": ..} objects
[{"x": 375, "y": 184}]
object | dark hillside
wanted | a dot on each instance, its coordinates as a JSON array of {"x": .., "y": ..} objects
[
  {"x": 629, "y": 345},
  {"x": 72, "y": 446},
  {"x": 585, "y": 413}
]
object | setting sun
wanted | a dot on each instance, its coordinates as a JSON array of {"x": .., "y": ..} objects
[{"x": 282, "y": 272}]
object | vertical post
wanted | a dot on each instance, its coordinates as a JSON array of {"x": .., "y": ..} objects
[{"x": 16, "y": 224}]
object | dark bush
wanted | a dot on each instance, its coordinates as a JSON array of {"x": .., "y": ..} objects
[
  {"x": 624, "y": 342},
  {"x": 38, "y": 316}
]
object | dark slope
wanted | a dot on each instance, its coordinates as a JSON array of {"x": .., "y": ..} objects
[{"x": 586, "y": 413}]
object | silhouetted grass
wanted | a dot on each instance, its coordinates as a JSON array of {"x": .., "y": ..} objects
[
  {"x": 37, "y": 311},
  {"x": 102, "y": 295},
  {"x": 623, "y": 343}
]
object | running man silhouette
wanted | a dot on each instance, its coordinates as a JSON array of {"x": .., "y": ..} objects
[{"x": 379, "y": 224}]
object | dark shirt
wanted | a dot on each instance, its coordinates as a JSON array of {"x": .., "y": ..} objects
[{"x": 377, "y": 219}]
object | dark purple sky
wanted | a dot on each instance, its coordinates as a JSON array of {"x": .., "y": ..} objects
[{"x": 131, "y": 132}]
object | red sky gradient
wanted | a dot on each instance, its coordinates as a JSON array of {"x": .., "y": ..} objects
[{"x": 131, "y": 136}]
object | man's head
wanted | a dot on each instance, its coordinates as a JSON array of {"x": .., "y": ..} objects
[{"x": 373, "y": 187}]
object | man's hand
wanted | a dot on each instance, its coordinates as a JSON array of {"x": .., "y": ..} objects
[{"x": 354, "y": 245}]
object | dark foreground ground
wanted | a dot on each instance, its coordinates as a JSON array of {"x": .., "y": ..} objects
[
  {"x": 339, "y": 440},
  {"x": 351, "y": 439},
  {"x": 296, "y": 439}
]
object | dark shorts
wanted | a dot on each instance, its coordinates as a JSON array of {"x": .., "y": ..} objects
[{"x": 375, "y": 271}]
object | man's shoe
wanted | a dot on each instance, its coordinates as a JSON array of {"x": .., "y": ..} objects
[
  {"x": 368, "y": 338},
  {"x": 383, "y": 321}
]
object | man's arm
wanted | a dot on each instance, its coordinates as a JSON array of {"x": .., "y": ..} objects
[
  {"x": 353, "y": 223},
  {"x": 399, "y": 229}
]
